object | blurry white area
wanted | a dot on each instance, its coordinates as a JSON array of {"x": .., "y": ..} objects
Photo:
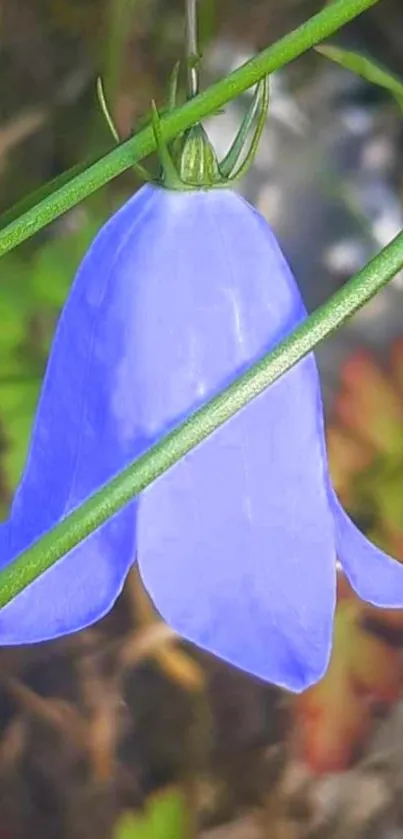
[{"x": 326, "y": 178}]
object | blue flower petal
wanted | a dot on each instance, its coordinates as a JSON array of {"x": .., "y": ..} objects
[
  {"x": 85, "y": 431},
  {"x": 235, "y": 542},
  {"x": 375, "y": 576},
  {"x": 178, "y": 294}
]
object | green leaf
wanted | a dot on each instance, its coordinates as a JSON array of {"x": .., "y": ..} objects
[
  {"x": 366, "y": 68},
  {"x": 164, "y": 817}
]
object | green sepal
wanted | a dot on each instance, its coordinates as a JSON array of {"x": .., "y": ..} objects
[
  {"x": 190, "y": 162},
  {"x": 140, "y": 170},
  {"x": 258, "y": 108},
  {"x": 198, "y": 164},
  {"x": 366, "y": 68}
]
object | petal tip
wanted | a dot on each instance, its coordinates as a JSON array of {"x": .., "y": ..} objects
[
  {"x": 375, "y": 576},
  {"x": 306, "y": 673}
]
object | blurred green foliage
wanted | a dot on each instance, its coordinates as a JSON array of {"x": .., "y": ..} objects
[
  {"x": 33, "y": 288},
  {"x": 164, "y": 817}
]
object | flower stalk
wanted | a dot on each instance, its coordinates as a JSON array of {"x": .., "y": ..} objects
[{"x": 192, "y": 49}]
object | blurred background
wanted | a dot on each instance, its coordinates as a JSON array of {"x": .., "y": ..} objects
[{"x": 121, "y": 731}]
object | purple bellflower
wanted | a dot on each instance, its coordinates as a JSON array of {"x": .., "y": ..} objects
[{"x": 181, "y": 291}]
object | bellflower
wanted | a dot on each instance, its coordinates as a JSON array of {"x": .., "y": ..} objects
[{"x": 181, "y": 291}]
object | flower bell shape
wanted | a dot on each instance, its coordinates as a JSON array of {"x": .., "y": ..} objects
[{"x": 181, "y": 291}]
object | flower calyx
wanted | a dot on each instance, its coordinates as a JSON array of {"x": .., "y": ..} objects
[{"x": 190, "y": 162}]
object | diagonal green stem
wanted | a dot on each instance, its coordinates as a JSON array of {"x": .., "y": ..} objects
[
  {"x": 125, "y": 486},
  {"x": 63, "y": 198}
]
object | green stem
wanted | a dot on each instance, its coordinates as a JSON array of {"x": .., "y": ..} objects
[
  {"x": 130, "y": 482},
  {"x": 311, "y": 33}
]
